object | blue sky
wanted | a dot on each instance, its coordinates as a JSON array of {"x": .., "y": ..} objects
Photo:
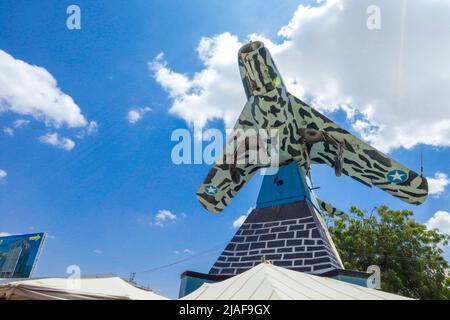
[{"x": 98, "y": 201}]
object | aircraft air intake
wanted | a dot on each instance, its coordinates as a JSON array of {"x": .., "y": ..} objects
[{"x": 258, "y": 71}]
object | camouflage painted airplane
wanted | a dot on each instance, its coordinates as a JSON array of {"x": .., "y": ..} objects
[{"x": 305, "y": 136}]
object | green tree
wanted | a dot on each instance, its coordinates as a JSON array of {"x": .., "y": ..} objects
[{"x": 409, "y": 255}]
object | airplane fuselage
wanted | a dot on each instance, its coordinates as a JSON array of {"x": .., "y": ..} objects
[
  {"x": 270, "y": 103},
  {"x": 303, "y": 135}
]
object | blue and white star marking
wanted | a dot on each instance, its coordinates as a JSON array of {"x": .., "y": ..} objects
[
  {"x": 397, "y": 176},
  {"x": 211, "y": 190}
]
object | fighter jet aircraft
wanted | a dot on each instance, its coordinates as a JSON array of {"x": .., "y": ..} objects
[{"x": 305, "y": 136}]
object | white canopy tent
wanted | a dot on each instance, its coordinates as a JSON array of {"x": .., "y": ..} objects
[
  {"x": 268, "y": 282},
  {"x": 106, "y": 288}
]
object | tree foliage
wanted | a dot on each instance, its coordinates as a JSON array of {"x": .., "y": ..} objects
[{"x": 409, "y": 255}]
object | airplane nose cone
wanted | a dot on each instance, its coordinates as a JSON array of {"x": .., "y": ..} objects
[{"x": 251, "y": 46}]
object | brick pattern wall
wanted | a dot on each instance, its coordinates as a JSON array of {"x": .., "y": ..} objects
[{"x": 297, "y": 244}]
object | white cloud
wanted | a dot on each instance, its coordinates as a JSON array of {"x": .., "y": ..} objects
[
  {"x": 31, "y": 90},
  {"x": 437, "y": 184},
  {"x": 8, "y": 131},
  {"x": 3, "y": 175},
  {"x": 4, "y": 234},
  {"x": 163, "y": 217},
  {"x": 213, "y": 93},
  {"x": 91, "y": 128},
  {"x": 55, "y": 140},
  {"x": 17, "y": 124},
  {"x": 176, "y": 83},
  {"x": 239, "y": 221},
  {"x": 440, "y": 220},
  {"x": 135, "y": 115},
  {"x": 21, "y": 123},
  {"x": 98, "y": 251},
  {"x": 393, "y": 84},
  {"x": 185, "y": 251}
]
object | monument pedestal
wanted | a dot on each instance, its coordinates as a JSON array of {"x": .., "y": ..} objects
[{"x": 285, "y": 228}]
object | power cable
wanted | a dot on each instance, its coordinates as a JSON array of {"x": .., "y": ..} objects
[{"x": 180, "y": 261}]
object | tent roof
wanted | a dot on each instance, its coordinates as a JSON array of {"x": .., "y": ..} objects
[
  {"x": 108, "y": 288},
  {"x": 269, "y": 282}
]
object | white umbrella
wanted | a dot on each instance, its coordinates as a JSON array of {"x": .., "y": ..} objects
[
  {"x": 108, "y": 288},
  {"x": 268, "y": 282}
]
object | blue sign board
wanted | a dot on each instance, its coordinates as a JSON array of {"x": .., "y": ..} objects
[{"x": 19, "y": 254}]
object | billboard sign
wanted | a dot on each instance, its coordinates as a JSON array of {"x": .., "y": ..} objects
[{"x": 19, "y": 254}]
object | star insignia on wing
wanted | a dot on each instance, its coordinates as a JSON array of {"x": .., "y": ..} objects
[
  {"x": 211, "y": 190},
  {"x": 397, "y": 176}
]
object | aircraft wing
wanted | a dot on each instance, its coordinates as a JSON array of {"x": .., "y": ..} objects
[
  {"x": 226, "y": 178},
  {"x": 359, "y": 160},
  {"x": 330, "y": 209}
]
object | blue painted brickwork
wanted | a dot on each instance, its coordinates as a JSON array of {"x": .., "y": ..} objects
[{"x": 297, "y": 244}]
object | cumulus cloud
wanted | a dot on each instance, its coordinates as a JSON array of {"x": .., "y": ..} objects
[
  {"x": 240, "y": 220},
  {"x": 440, "y": 220},
  {"x": 31, "y": 90},
  {"x": 163, "y": 217},
  {"x": 392, "y": 83},
  {"x": 437, "y": 184},
  {"x": 3, "y": 175},
  {"x": 8, "y": 131},
  {"x": 16, "y": 124},
  {"x": 4, "y": 234},
  {"x": 56, "y": 140},
  {"x": 136, "y": 114},
  {"x": 213, "y": 93}
]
